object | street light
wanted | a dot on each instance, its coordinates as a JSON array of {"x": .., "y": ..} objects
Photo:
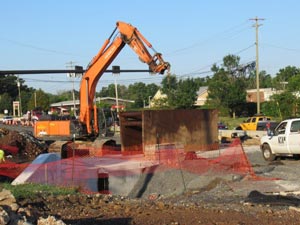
[
  {"x": 73, "y": 76},
  {"x": 116, "y": 72}
]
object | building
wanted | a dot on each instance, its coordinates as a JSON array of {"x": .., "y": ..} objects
[
  {"x": 264, "y": 94},
  {"x": 65, "y": 107},
  {"x": 158, "y": 100},
  {"x": 202, "y": 96}
]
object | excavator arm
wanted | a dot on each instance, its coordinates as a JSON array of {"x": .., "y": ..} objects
[{"x": 127, "y": 35}]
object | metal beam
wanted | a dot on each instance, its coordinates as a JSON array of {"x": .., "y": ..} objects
[{"x": 19, "y": 72}]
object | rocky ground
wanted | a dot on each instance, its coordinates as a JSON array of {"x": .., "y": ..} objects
[
  {"x": 194, "y": 207},
  {"x": 224, "y": 199}
]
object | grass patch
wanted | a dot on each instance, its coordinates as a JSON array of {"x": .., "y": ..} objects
[
  {"x": 29, "y": 190},
  {"x": 232, "y": 123}
]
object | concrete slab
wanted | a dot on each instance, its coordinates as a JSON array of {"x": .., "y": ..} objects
[
  {"x": 32, "y": 168},
  {"x": 122, "y": 172}
]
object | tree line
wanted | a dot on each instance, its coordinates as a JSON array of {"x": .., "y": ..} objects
[{"x": 226, "y": 91}]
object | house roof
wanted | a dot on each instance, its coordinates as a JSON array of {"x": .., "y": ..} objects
[
  {"x": 64, "y": 103},
  {"x": 202, "y": 90},
  {"x": 71, "y": 102}
]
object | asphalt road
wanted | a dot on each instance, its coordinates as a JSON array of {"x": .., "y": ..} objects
[
  {"x": 18, "y": 128},
  {"x": 282, "y": 173}
]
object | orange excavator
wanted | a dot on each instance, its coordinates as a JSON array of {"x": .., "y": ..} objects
[{"x": 88, "y": 124}]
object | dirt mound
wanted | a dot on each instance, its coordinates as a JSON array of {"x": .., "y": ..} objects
[
  {"x": 107, "y": 209},
  {"x": 20, "y": 146}
]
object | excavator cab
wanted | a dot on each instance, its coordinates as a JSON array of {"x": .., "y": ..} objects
[{"x": 107, "y": 122}]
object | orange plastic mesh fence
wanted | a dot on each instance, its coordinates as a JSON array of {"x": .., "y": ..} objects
[{"x": 89, "y": 171}]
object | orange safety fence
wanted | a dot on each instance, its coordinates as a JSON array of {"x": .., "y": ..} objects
[
  {"x": 89, "y": 171},
  {"x": 11, "y": 169},
  {"x": 10, "y": 149}
]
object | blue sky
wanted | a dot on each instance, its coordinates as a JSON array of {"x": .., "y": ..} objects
[{"x": 191, "y": 35}]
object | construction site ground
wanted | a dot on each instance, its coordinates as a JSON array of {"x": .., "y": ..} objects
[{"x": 222, "y": 199}]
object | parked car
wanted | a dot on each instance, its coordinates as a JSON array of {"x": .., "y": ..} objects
[
  {"x": 222, "y": 126},
  {"x": 7, "y": 119},
  {"x": 257, "y": 123}
]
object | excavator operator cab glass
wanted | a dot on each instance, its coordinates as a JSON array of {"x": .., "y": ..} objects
[{"x": 107, "y": 120}]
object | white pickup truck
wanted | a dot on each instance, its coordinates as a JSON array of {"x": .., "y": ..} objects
[{"x": 283, "y": 141}]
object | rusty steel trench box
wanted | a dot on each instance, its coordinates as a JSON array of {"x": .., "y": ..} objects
[{"x": 192, "y": 129}]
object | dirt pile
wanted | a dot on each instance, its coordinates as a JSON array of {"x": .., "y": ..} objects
[
  {"x": 20, "y": 146},
  {"x": 189, "y": 208}
]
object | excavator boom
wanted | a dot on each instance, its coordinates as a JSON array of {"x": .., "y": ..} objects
[
  {"x": 127, "y": 35},
  {"x": 88, "y": 125}
]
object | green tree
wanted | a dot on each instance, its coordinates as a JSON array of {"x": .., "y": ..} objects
[
  {"x": 185, "y": 95},
  {"x": 287, "y": 104},
  {"x": 169, "y": 84},
  {"x": 13, "y": 86},
  {"x": 103, "y": 92},
  {"x": 200, "y": 81},
  {"x": 293, "y": 84},
  {"x": 8, "y": 84},
  {"x": 26, "y": 96},
  {"x": 271, "y": 108},
  {"x": 6, "y": 103},
  {"x": 110, "y": 91},
  {"x": 39, "y": 99},
  {"x": 218, "y": 87},
  {"x": 64, "y": 95},
  {"x": 265, "y": 80},
  {"x": 122, "y": 91},
  {"x": 284, "y": 75},
  {"x": 231, "y": 62},
  {"x": 227, "y": 88},
  {"x": 140, "y": 93},
  {"x": 137, "y": 93},
  {"x": 182, "y": 93}
]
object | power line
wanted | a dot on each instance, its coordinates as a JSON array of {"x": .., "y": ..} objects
[
  {"x": 218, "y": 61},
  {"x": 37, "y": 48},
  {"x": 103, "y": 82},
  {"x": 280, "y": 47},
  {"x": 244, "y": 49},
  {"x": 215, "y": 36}
]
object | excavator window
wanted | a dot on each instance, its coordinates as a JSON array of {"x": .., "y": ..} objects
[{"x": 107, "y": 120}]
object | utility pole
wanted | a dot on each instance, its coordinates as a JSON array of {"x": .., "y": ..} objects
[
  {"x": 72, "y": 75},
  {"x": 256, "y": 25},
  {"x": 35, "y": 99},
  {"x": 116, "y": 72},
  {"x": 19, "y": 90}
]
